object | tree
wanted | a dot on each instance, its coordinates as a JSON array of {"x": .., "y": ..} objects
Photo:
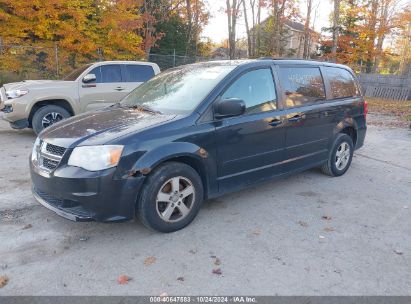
[
  {"x": 232, "y": 10},
  {"x": 307, "y": 30},
  {"x": 336, "y": 29}
]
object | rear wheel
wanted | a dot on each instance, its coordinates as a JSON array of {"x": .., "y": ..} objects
[
  {"x": 47, "y": 116},
  {"x": 340, "y": 157},
  {"x": 171, "y": 197}
]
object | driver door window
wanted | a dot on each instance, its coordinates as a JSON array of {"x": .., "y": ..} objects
[{"x": 256, "y": 89}]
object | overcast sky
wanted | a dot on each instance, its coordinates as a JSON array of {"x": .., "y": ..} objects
[{"x": 217, "y": 27}]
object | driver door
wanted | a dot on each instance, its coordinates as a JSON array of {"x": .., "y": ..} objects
[
  {"x": 250, "y": 147},
  {"x": 107, "y": 89}
]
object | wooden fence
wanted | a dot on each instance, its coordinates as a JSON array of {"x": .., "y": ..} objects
[{"x": 386, "y": 86}]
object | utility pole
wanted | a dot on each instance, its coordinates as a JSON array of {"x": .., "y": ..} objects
[
  {"x": 56, "y": 52},
  {"x": 174, "y": 58}
]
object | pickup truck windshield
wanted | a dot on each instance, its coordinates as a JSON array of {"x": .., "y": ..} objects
[
  {"x": 76, "y": 73},
  {"x": 178, "y": 91}
]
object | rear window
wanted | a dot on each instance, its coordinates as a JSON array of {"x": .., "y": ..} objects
[
  {"x": 302, "y": 86},
  {"x": 138, "y": 73},
  {"x": 342, "y": 83}
]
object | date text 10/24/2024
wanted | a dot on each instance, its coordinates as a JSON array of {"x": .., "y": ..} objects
[{"x": 203, "y": 299}]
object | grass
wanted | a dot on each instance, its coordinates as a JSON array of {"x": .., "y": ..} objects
[{"x": 401, "y": 109}]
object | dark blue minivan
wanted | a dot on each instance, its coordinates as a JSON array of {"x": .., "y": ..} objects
[{"x": 196, "y": 132}]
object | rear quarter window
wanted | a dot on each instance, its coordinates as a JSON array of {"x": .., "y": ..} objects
[
  {"x": 302, "y": 85},
  {"x": 342, "y": 83},
  {"x": 138, "y": 73}
]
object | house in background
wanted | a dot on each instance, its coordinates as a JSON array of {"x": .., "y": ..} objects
[{"x": 292, "y": 38}]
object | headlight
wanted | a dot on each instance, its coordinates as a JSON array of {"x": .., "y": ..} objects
[
  {"x": 16, "y": 93},
  {"x": 95, "y": 158},
  {"x": 35, "y": 151}
]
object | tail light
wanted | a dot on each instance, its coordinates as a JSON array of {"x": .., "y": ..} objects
[{"x": 365, "y": 108}]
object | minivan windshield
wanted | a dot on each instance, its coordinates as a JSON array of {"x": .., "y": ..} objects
[
  {"x": 178, "y": 90},
  {"x": 76, "y": 73}
]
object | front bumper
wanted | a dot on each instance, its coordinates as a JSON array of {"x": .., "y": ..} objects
[{"x": 80, "y": 195}]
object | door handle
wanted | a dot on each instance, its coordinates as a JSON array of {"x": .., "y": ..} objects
[
  {"x": 275, "y": 122},
  {"x": 295, "y": 118},
  {"x": 119, "y": 89}
]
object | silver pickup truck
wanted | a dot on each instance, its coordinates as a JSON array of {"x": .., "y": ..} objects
[{"x": 38, "y": 104}]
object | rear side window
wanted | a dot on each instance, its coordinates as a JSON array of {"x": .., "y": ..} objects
[
  {"x": 302, "y": 86},
  {"x": 342, "y": 83},
  {"x": 138, "y": 73},
  {"x": 257, "y": 90}
]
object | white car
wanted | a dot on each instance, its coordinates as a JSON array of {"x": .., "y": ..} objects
[{"x": 38, "y": 104}]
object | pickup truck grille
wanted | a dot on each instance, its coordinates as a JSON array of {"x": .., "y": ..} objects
[{"x": 50, "y": 156}]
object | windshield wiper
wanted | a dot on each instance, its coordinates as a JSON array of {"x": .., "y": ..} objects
[{"x": 144, "y": 108}]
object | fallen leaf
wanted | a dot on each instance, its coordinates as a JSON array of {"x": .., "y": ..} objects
[
  {"x": 217, "y": 271},
  {"x": 326, "y": 217},
  {"x": 303, "y": 224},
  {"x": 3, "y": 281},
  {"x": 181, "y": 279},
  {"x": 329, "y": 229},
  {"x": 149, "y": 261},
  {"x": 257, "y": 232},
  {"x": 217, "y": 261},
  {"x": 398, "y": 252},
  {"x": 123, "y": 279},
  {"x": 321, "y": 237},
  {"x": 28, "y": 226}
]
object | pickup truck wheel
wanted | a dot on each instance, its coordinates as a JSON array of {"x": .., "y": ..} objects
[
  {"x": 170, "y": 198},
  {"x": 46, "y": 116},
  {"x": 340, "y": 156}
]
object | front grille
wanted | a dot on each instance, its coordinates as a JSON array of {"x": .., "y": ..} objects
[
  {"x": 56, "y": 150},
  {"x": 49, "y": 156},
  {"x": 50, "y": 164}
]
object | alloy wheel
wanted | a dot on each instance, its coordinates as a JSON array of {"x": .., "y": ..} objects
[
  {"x": 342, "y": 156},
  {"x": 51, "y": 118},
  {"x": 175, "y": 199}
]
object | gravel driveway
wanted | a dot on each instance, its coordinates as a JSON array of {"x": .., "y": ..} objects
[{"x": 308, "y": 234}]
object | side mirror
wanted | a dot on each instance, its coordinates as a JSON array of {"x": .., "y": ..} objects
[
  {"x": 89, "y": 78},
  {"x": 229, "y": 107}
]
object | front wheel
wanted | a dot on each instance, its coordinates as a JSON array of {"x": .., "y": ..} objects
[
  {"x": 170, "y": 198},
  {"x": 46, "y": 116},
  {"x": 340, "y": 157}
]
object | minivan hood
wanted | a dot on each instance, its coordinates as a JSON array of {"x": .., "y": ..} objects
[{"x": 99, "y": 127}]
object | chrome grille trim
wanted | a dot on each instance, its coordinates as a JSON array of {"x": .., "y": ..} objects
[{"x": 49, "y": 156}]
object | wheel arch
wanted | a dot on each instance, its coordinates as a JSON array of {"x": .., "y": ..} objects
[
  {"x": 65, "y": 104},
  {"x": 347, "y": 126},
  {"x": 186, "y": 153}
]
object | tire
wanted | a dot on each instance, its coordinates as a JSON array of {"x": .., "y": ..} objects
[
  {"x": 161, "y": 208},
  {"x": 338, "y": 165},
  {"x": 50, "y": 113}
]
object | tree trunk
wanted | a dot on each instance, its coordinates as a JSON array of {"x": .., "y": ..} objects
[
  {"x": 247, "y": 30},
  {"x": 232, "y": 14},
  {"x": 307, "y": 33},
  {"x": 336, "y": 29},
  {"x": 258, "y": 35},
  {"x": 276, "y": 30},
  {"x": 381, "y": 33},
  {"x": 190, "y": 24},
  {"x": 372, "y": 35}
]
